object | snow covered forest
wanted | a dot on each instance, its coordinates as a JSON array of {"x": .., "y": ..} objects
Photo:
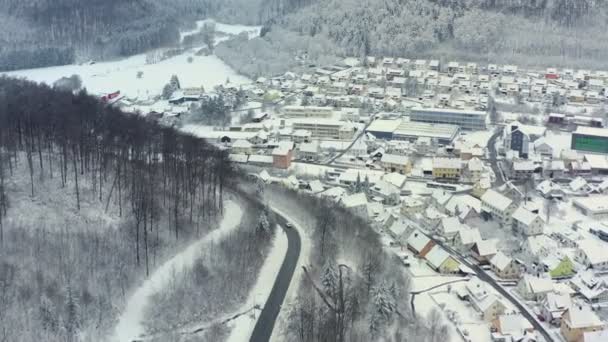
[
  {"x": 37, "y": 33},
  {"x": 351, "y": 289},
  {"x": 91, "y": 201},
  {"x": 556, "y": 32}
]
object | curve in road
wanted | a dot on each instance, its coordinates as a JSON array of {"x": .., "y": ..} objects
[{"x": 265, "y": 324}]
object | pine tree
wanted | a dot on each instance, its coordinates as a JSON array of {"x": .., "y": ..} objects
[
  {"x": 48, "y": 316},
  {"x": 329, "y": 280}
]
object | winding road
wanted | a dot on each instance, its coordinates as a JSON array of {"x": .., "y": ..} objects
[{"x": 268, "y": 316}]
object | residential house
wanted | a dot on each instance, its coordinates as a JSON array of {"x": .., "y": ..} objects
[
  {"x": 481, "y": 186},
  {"x": 474, "y": 169},
  {"x": 441, "y": 261},
  {"x": 592, "y": 253},
  {"x": 483, "y": 300},
  {"x": 591, "y": 288},
  {"x": 578, "y": 320},
  {"x": 527, "y": 222},
  {"x": 450, "y": 226},
  {"x": 412, "y": 205},
  {"x": 419, "y": 243},
  {"x": 554, "y": 168},
  {"x": 534, "y": 288},
  {"x": 539, "y": 246},
  {"x": 242, "y": 147},
  {"x": 281, "y": 158},
  {"x": 553, "y": 307},
  {"x": 484, "y": 250},
  {"x": 396, "y": 163},
  {"x": 550, "y": 190},
  {"x": 504, "y": 267},
  {"x": 498, "y": 206},
  {"x": 464, "y": 239},
  {"x": 595, "y": 207},
  {"x": 309, "y": 151},
  {"x": 513, "y": 327},
  {"x": 523, "y": 169},
  {"x": 447, "y": 168}
]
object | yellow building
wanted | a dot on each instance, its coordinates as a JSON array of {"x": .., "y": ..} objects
[
  {"x": 578, "y": 320},
  {"x": 442, "y": 261},
  {"x": 447, "y": 168},
  {"x": 396, "y": 163}
]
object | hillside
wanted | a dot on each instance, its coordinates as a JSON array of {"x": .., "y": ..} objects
[
  {"x": 92, "y": 200},
  {"x": 35, "y": 33},
  {"x": 552, "y": 32}
]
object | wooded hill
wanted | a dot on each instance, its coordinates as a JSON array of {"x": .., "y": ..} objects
[{"x": 91, "y": 200}]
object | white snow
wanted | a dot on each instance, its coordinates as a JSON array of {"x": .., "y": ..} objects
[
  {"x": 129, "y": 325},
  {"x": 107, "y": 77},
  {"x": 242, "y": 327}
]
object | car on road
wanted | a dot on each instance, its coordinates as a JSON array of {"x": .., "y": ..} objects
[{"x": 289, "y": 225}]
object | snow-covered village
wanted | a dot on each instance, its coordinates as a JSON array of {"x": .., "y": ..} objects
[{"x": 465, "y": 199}]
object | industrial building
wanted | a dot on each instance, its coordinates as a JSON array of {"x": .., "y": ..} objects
[
  {"x": 399, "y": 129},
  {"x": 590, "y": 139},
  {"x": 466, "y": 119},
  {"x": 325, "y": 128},
  {"x": 307, "y": 112}
]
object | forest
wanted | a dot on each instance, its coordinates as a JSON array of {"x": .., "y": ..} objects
[
  {"x": 533, "y": 33},
  {"x": 37, "y": 33},
  {"x": 350, "y": 288},
  {"x": 91, "y": 200}
]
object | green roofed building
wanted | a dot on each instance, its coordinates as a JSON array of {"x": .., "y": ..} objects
[{"x": 590, "y": 139}]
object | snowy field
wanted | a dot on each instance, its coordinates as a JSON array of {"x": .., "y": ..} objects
[{"x": 107, "y": 77}]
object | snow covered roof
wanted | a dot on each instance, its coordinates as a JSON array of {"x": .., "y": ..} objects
[
  {"x": 581, "y": 316},
  {"x": 555, "y": 301},
  {"x": 486, "y": 247},
  {"x": 260, "y": 159},
  {"x": 418, "y": 240},
  {"x": 523, "y": 165},
  {"x": 469, "y": 236},
  {"x": 441, "y": 196},
  {"x": 525, "y": 216},
  {"x": 460, "y": 202},
  {"x": 596, "y": 336},
  {"x": 597, "y": 161},
  {"x": 500, "y": 261},
  {"x": 514, "y": 324},
  {"x": 594, "y": 250},
  {"x": 311, "y": 147},
  {"x": 577, "y": 183},
  {"x": 537, "y": 285},
  {"x": 395, "y": 159},
  {"x": 447, "y": 163},
  {"x": 451, "y": 224},
  {"x": 242, "y": 144},
  {"x": 496, "y": 199},
  {"x": 475, "y": 164},
  {"x": 354, "y": 200},
  {"x": 437, "y": 256},
  {"x": 395, "y": 179}
]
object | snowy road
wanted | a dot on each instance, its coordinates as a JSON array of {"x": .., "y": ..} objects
[
  {"x": 130, "y": 326},
  {"x": 268, "y": 317}
]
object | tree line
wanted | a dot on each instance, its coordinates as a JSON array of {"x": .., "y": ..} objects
[{"x": 73, "y": 138}]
